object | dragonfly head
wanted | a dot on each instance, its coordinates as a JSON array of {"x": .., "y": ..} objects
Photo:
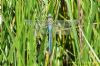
[
  {"x": 49, "y": 16},
  {"x": 50, "y": 19}
]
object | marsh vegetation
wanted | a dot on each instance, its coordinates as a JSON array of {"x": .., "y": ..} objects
[{"x": 26, "y": 41}]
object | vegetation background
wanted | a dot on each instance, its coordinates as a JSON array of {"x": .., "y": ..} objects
[{"x": 20, "y": 47}]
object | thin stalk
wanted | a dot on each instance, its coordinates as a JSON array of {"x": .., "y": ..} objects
[
  {"x": 89, "y": 45},
  {"x": 73, "y": 26}
]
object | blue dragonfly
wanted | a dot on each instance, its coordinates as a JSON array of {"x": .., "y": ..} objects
[
  {"x": 49, "y": 26},
  {"x": 50, "y": 32}
]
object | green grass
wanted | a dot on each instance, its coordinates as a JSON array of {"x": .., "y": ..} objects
[{"x": 18, "y": 42}]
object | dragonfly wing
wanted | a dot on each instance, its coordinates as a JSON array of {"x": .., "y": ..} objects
[
  {"x": 63, "y": 25},
  {"x": 41, "y": 27}
]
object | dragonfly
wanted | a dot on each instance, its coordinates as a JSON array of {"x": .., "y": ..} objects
[{"x": 50, "y": 26}]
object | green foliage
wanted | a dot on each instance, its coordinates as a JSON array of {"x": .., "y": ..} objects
[{"x": 18, "y": 41}]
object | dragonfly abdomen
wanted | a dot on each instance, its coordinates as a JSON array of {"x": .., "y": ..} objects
[{"x": 50, "y": 37}]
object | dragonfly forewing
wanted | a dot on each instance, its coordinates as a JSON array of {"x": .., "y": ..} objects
[{"x": 57, "y": 26}]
